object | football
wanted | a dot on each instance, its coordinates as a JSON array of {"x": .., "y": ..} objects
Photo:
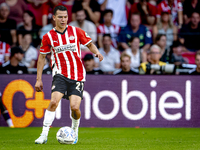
[{"x": 66, "y": 135}]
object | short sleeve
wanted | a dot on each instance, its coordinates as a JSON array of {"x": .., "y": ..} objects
[
  {"x": 180, "y": 6},
  {"x": 45, "y": 45},
  {"x": 7, "y": 53},
  {"x": 84, "y": 38}
]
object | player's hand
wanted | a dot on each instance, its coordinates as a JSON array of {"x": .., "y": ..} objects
[
  {"x": 39, "y": 86},
  {"x": 99, "y": 56}
]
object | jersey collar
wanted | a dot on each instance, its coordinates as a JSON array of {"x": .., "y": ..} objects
[{"x": 61, "y": 32}]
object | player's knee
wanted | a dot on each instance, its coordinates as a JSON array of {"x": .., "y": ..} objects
[
  {"x": 74, "y": 108},
  {"x": 54, "y": 103}
]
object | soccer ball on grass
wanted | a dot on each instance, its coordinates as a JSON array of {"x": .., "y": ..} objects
[{"x": 66, "y": 135}]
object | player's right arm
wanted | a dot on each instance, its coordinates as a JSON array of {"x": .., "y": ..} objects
[
  {"x": 40, "y": 66},
  {"x": 44, "y": 49}
]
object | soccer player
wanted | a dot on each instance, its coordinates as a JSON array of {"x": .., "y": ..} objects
[
  {"x": 5, "y": 114},
  {"x": 63, "y": 42}
]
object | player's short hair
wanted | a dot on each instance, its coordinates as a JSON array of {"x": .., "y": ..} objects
[
  {"x": 3, "y": 5},
  {"x": 107, "y": 11},
  {"x": 124, "y": 54},
  {"x": 197, "y": 53},
  {"x": 59, "y": 7}
]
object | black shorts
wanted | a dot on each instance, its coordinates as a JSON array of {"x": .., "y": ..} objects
[{"x": 67, "y": 86}]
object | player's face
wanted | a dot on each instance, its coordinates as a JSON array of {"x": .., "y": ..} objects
[
  {"x": 4, "y": 12},
  {"x": 60, "y": 18},
  {"x": 197, "y": 61},
  {"x": 135, "y": 44},
  {"x": 125, "y": 62}
]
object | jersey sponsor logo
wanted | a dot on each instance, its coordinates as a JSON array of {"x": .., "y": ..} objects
[
  {"x": 68, "y": 47},
  {"x": 71, "y": 38}
]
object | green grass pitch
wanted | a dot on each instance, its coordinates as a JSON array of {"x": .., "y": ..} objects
[{"x": 105, "y": 139}]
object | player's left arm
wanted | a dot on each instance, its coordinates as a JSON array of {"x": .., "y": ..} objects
[{"x": 94, "y": 50}]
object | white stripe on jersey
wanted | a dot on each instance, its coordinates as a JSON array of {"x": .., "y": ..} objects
[
  {"x": 68, "y": 64},
  {"x": 59, "y": 66},
  {"x": 74, "y": 30},
  {"x": 75, "y": 65},
  {"x": 51, "y": 40},
  {"x": 60, "y": 39},
  {"x": 75, "y": 35}
]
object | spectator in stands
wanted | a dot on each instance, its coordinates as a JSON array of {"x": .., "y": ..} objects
[
  {"x": 14, "y": 65},
  {"x": 90, "y": 64},
  {"x": 189, "y": 7},
  {"x": 147, "y": 12},
  {"x": 119, "y": 10},
  {"x": 125, "y": 65},
  {"x": 137, "y": 30},
  {"x": 7, "y": 26},
  {"x": 161, "y": 41},
  {"x": 148, "y": 67},
  {"x": 47, "y": 67},
  {"x": 196, "y": 71},
  {"x": 173, "y": 7},
  {"x": 111, "y": 56},
  {"x": 165, "y": 26},
  {"x": 91, "y": 7},
  {"x": 134, "y": 52},
  {"x": 29, "y": 26},
  {"x": 47, "y": 28},
  {"x": 35, "y": 7},
  {"x": 190, "y": 33},
  {"x": 31, "y": 53},
  {"x": 176, "y": 56},
  {"x": 108, "y": 28},
  {"x": 48, "y": 11},
  {"x": 4, "y": 52},
  {"x": 87, "y": 26},
  {"x": 17, "y": 8}
]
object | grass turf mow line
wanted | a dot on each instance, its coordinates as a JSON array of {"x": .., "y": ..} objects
[{"x": 105, "y": 139}]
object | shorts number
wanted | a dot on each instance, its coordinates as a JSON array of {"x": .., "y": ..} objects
[{"x": 78, "y": 84}]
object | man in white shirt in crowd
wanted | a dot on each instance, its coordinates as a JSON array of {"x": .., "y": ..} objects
[
  {"x": 88, "y": 26},
  {"x": 111, "y": 56}
]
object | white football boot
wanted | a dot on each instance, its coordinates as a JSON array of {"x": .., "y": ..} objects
[
  {"x": 76, "y": 140},
  {"x": 41, "y": 140}
]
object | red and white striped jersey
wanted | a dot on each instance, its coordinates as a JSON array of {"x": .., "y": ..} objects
[
  {"x": 65, "y": 51},
  {"x": 164, "y": 7},
  {"x": 4, "y": 51},
  {"x": 113, "y": 30}
]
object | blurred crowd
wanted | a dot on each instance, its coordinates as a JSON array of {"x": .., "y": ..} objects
[{"x": 134, "y": 36}]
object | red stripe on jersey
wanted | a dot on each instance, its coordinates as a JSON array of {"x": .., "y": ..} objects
[
  {"x": 62, "y": 64},
  {"x": 56, "y": 60},
  {"x": 71, "y": 65},
  {"x": 63, "y": 39},
  {"x": 80, "y": 67},
  {"x": 54, "y": 37}
]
